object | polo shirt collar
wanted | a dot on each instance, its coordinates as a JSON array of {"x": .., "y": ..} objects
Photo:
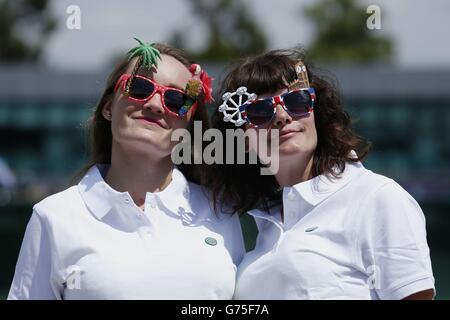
[
  {"x": 321, "y": 187},
  {"x": 315, "y": 190},
  {"x": 100, "y": 198},
  {"x": 175, "y": 197}
]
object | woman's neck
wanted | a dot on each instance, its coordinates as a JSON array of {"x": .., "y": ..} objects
[
  {"x": 138, "y": 174},
  {"x": 293, "y": 171}
]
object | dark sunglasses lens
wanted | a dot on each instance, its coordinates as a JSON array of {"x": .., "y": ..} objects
[
  {"x": 141, "y": 88},
  {"x": 298, "y": 102},
  {"x": 174, "y": 100},
  {"x": 259, "y": 112}
]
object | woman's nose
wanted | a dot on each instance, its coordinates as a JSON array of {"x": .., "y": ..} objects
[
  {"x": 281, "y": 116},
  {"x": 155, "y": 104}
]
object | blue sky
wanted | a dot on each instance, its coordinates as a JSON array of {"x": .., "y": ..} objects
[{"x": 420, "y": 29}]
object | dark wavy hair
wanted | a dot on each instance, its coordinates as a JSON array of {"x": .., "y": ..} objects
[{"x": 241, "y": 186}]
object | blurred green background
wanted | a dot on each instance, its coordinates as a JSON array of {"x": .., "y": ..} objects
[{"x": 46, "y": 94}]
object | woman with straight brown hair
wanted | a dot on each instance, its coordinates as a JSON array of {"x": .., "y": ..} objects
[{"x": 136, "y": 226}]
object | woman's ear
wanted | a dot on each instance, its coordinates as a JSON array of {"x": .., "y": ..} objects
[{"x": 107, "y": 110}]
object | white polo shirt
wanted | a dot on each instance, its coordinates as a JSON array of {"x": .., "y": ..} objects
[
  {"x": 92, "y": 242},
  {"x": 361, "y": 236}
]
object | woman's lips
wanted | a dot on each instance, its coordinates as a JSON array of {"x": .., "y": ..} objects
[
  {"x": 149, "y": 120},
  {"x": 286, "y": 134}
]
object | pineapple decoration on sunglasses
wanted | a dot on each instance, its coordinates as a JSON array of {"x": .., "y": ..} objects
[{"x": 200, "y": 85}]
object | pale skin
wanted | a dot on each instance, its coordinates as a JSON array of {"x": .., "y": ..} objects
[
  {"x": 141, "y": 148},
  {"x": 296, "y": 152},
  {"x": 298, "y": 140}
]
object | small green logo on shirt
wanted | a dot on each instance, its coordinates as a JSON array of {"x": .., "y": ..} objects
[
  {"x": 311, "y": 229},
  {"x": 211, "y": 241}
]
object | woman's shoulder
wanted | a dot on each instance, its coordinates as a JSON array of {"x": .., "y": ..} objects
[
  {"x": 367, "y": 181},
  {"x": 199, "y": 195},
  {"x": 384, "y": 198},
  {"x": 61, "y": 202},
  {"x": 374, "y": 192},
  {"x": 389, "y": 192},
  {"x": 202, "y": 197}
]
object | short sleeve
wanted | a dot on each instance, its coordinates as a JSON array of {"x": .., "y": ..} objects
[
  {"x": 32, "y": 278},
  {"x": 392, "y": 246}
]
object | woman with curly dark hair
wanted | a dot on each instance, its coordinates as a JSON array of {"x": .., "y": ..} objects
[{"x": 328, "y": 227}]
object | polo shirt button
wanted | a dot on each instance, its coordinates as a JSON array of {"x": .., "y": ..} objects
[
  {"x": 211, "y": 241},
  {"x": 127, "y": 201},
  {"x": 291, "y": 196}
]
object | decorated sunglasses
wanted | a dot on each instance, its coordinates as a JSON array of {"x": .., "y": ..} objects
[
  {"x": 256, "y": 112},
  {"x": 298, "y": 103},
  {"x": 141, "y": 89},
  {"x": 241, "y": 107}
]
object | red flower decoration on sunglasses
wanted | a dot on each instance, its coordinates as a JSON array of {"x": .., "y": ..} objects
[{"x": 207, "y": 86}]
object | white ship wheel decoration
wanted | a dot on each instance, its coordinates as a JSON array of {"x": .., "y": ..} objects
[{"x": 230, "y": 108}]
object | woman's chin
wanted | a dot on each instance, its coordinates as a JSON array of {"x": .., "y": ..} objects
[
  {"x": 146, "y": 144},
  {"x": 294, "y": 147}
]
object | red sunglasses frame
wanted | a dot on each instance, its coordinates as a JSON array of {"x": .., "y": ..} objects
[{"x": 124, "y": 78}]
